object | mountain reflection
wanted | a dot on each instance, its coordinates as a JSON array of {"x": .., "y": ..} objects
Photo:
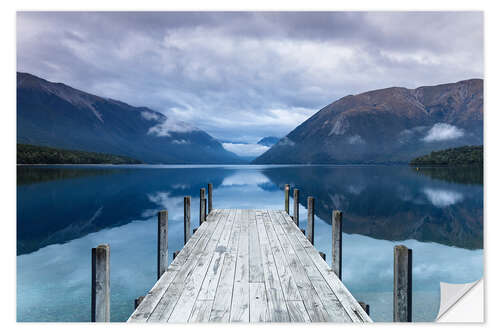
[
  {"x": 58, "y": 204},
  {"x": 68, "y": 203},
  {"x": 393, "y": 203}
]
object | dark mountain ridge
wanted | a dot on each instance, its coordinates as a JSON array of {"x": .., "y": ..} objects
[
  {"x": 57, "y": 115},
  {"x": 391, "y": 125}
]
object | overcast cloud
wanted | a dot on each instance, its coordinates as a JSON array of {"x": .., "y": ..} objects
[{"x": 243, "y": 76}]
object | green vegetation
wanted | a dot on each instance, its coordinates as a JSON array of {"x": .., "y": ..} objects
[
  {"x": 29, "y": 154},
  {"x": 467, "y": 155}
]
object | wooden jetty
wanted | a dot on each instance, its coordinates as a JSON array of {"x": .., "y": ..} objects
[{"x": 248, "y": 266}]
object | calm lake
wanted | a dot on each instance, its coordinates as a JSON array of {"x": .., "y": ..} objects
[{"x": 62, "y": 212}]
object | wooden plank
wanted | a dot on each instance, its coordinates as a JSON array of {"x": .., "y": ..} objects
[
  {"x": 192, "y": 284},
  {"x": 311, "y": 299},
  {"x": 201, "y": 311},
  {"x": 351, "y": 306},
  {"x": 278, "y": 311},
  {"x": 169, "y": 299},
  {"x": 259, "y": 311},
  {"x": 221, "y": 308},
  {"x": 240, "y": 308},
  {"x": 298, "y": 312},
  {"x": 255, "y": 258},
  {"x": 211, "y": 280},
  {"x": 290, "y": 290}
]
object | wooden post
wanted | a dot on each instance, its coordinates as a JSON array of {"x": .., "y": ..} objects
[
  {"x": 187, "y": 219},
  {"x": 202, "y": 201},
  {"x": 296, "y": 206},
  {"x": 209, "y": 198},
  {"x": 287, "y": 199},
  {"x": 176, "y": 253},
  {"x": 365, "y": 307},
  {"x": 162, "y": 242},
  {"x": 310, "y": 219},
  {"x": 100, "y": 284},
  {"x": 402, "y": 283},
  {"x": 337, "y": 243},
  {"x": 138, "y": 301},
  {"x": 204, "y": 209},
  {"x": 322, "y": 255}
]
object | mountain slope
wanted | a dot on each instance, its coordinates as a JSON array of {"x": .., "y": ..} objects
[
  {"x": 56, "y": 115},
  {"x": 390, "y": 125}
]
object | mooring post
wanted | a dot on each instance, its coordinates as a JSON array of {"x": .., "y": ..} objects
[
  {"x": 100, "y": 284},
  {"x": 162, "y": 242},
  {"x": 310, "y": 219},
  {"x": 138, "y": 301},
  {"x": 365, "y": 307},
  {"x": 402, "y": 283},
  {"x": 187, "y": 219},
  {"x": 202, "y": 204},
  {"x": 204, "y": 209},
  {"x": 287, "y": 199},
  {"x": 209, "y": 198},
  {"x": 296, "y": 206},
  {"x": 337, "y": 243},
  {"x": 322, "y": 255}
]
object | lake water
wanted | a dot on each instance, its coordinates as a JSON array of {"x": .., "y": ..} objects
[{"x": 62, "y": 212}]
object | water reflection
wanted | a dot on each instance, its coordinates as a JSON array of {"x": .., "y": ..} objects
[
  {"x": 393, "y": 203},
  {"x": 63, "y": 212}
]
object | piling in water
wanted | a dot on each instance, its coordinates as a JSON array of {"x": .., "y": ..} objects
[
  {"x": 162, "y": 242},
  {"x": 287, "y": 199},
  {"x": 187, "y": 219},
  {"x": 310, "y": 219},
  {"x": 296, "y": 206},
  {"x": 402, "y": 283},
  {"x": 209, "y": 198},
  {"x": 202, "y": 205},
  {"x": 100, "y": 284},
  {"x": 337, "y": 243}
]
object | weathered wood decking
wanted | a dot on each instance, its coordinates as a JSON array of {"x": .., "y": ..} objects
[{"x": 249, "y": 266}]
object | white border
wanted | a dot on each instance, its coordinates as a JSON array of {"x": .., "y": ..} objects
[{"x": 8, "y": 138}]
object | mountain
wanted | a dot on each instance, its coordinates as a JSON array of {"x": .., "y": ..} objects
[
  {"x": 268, "y": 141},
  {"x": 56, "y": 115},
  {"x": 391, "y": 125}
]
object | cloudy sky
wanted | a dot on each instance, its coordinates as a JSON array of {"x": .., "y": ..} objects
[{"x": 242, "y": 75}]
